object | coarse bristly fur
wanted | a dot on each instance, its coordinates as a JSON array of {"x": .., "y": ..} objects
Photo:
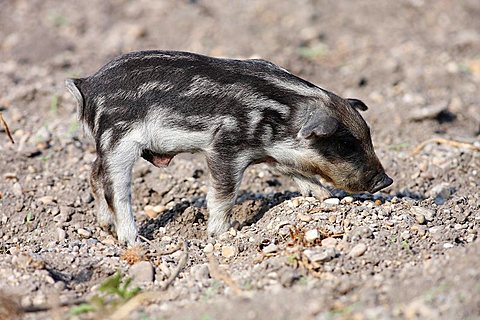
[{"x": 156, "y": 104}]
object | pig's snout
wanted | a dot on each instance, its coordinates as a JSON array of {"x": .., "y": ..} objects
[{"x": 381, "y": 181}]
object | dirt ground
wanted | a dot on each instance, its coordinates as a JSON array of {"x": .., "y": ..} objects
[{"x": 408, "y": 252}]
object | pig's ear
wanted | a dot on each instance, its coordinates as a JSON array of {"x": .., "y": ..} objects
[
  {"x": 319, "y": 125},
  {"x": 357, "y": 104}
]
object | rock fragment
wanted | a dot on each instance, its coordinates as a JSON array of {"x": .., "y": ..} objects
[
  {"x": 271, "y": 248},
  {"x": 229, "y": 251},
  {"x": 321, "y": 254},
  {"x": 142, "y": 272},
  {"x": 312, "y": 235},
  {"x": 358, "y": 250},
  {"x": 208, "y": 248},
  {"x": 84, "y": 233},
  {"x": 332, "y": 201}
]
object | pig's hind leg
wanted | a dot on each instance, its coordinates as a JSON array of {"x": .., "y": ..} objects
[
  {"x": 104, "y": 215},
  {"x": 117, "y": 187}
]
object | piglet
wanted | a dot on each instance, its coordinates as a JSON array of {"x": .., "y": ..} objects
[{"x": 157, "y": 104}]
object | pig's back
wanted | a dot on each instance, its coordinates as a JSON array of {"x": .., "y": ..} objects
[{"x": 192, "y": 87}]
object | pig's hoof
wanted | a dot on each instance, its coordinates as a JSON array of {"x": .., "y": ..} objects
[
  {"x": 105, "y": 219},
  {"x": 321, "y": 194},
  {"x": 215, "y": 228},
  {"x": 127, "y": 236}
]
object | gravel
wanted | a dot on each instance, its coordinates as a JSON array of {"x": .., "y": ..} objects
[{"x": 410, "y": 251}]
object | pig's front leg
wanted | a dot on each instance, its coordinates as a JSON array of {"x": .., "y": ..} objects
[
  {"x": 226, "y": 172},
  {"x": 312, "y": 185},
  {"x": 306, "y": 184}
]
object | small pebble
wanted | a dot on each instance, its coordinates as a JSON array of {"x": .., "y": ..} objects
[
  {"x": 295, "y": 202},
  {"x": 420, "y": 218},
  {"x": 435, "y": 229},
  {"x": 405, "y": 235},
  {"x": 347, "y": 199},
  {"x": 271, "y": 248},
  {"x": 84, "y": 233},
  {"x": 321, "y": 254},
  {"x": 427, "y": 214},
  {"x": 458, "y": 226},
  {"x": 448, "y": 245},
  {"x": 471, "y": 237},
  {"x": 159, "y": 209},
  {"x": 229, "y": 251},
  {"x": 329, "y": 242},
  {"x": 150, "y": 212},
  {"x": 440, "y": 193},
  {"x": 17, "y": 189},
  {"x": 312, "y": 235},
  {"x": 200, "y": 272},
  {"x": 304, "y": 217},
  {"x": 362, "y": 232},
  {"x": 109, "y": 241},
  {"x": 61, "y": 234},
  {"x": 332, "y": 201},
  {"x": 358, "y": 250},
  {"x": 332, "y": 219},
  {"x": 142, "y": 272},
  {"x": 46, "y": 200},
  {"x": 59, "y": 285}
]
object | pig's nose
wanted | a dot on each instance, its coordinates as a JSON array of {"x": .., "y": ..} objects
[{"x": 382, "y": 181}]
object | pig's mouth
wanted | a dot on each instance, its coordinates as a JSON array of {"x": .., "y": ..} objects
[
  {"x": 380, "y": 182},
  {"x": 376, "y": 184}
]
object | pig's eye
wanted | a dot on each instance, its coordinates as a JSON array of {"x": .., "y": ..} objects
[
  {"x": 348, "y": 144},
  {"x": 346, "y": 147}
]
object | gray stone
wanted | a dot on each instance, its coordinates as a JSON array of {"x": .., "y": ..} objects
[
  {"x": 332, "y": 201},
  {"x": 271, "y": 248},
  {"x": 142, "y": 272},
  {"x": 208, "y": 248},
  {"x": 429, "y": 112},
  {"x": 61, "y": 234},
  {"x": 229, "y": 251},
  {"x": 46, "y": 200},
  {"x": 362, "y": 232},
  {"x": 422, "y": 214},
  {"x": 17, "y": 189},
  {"x": 200, "y": 272},
  {"x": 348, "y": 199},
  {"x": 321, "y": 254},
  {"x": 312, "y": 235},
  {"x": 440, "y": 193},
  {"x": 329, "y": 242},
  {"x": 358, "y": 250},
  {"x": 84, "y": 233}
]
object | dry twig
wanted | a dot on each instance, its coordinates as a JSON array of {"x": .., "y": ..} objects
[
  {"x": 453, "y": 143},
  {"x": 181, "y": 265},
  {"x": 221, "y": 275},
  {"x": 5, "y": 126},
  {"x": 125, "y": 310},
  {"x": 43, "y": 308},
  {"x": 160, "y": 252}
]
